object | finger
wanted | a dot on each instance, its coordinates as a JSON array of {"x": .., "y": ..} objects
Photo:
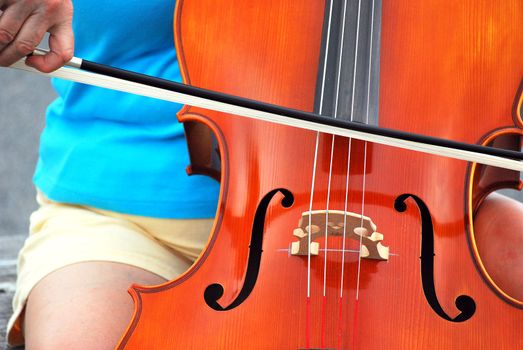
[
  {"x": 61, "y": 45},
  {"x": 10, "y": 23},
  {"x": 25, "y": 42}
]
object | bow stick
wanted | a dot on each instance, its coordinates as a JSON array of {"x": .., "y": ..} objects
[{"x": 91, "y": 73}]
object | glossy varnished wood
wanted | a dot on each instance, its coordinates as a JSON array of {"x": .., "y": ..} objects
[{"x": 448, "y": 69}]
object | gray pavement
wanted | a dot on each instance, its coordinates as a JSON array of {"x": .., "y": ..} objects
[{"x": 23, "y": 98}]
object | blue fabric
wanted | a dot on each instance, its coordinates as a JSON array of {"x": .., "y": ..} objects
[{"x": 117, "y": 151}]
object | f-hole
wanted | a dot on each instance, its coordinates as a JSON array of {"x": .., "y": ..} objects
[
  {"x": 464, "y": 303},
  {"x": 215, "y": 291}
]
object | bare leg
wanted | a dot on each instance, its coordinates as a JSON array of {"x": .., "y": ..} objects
[
  {"x": 499, "y": 233},
  {"x": 83, "y": 306}
]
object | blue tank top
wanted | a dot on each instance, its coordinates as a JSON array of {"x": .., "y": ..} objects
[{"x": 117, "y": 151}]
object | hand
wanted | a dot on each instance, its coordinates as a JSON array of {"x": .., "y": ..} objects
[{"x": 23, "y": 24}]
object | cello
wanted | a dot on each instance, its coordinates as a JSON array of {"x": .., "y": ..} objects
[
  {"x": 317, "y": 238},
  {"x": 296, "y": 234}
]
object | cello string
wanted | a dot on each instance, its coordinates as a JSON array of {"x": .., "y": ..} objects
[
  {"x": 310, "y": 216},
  {"x": 354, "y": 75},
  {"x": 355, "y": 70},
  {"x": 338, "y": 86},
  {"x": 333, "y": 140},
  {"x": 336, "y": 103},
  {"x": 356, "y": 309},
  {"x": 331, "y": 159},
  {"x": 361, "y": 222},
  {"x": 365, "y": 145},
  {"x": 324, "y": 75},
  {"x": 308, "y": 303},
  {"x": 345, "y": 207},
  {"x": 322, "y": 96},
  {"x": 324, "y": 304},
  {"x": 369, "y": 72}
]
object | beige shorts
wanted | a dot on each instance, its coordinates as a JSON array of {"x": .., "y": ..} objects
[{"x": 62, "y": 234}]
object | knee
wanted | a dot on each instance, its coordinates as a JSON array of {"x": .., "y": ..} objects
[{"x": 498, "y": 234}]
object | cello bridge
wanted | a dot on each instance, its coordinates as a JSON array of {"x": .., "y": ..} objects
[{"x": 318, "y": 223}]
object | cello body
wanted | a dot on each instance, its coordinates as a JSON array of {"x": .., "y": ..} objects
[{"x": 447, "y": 69}]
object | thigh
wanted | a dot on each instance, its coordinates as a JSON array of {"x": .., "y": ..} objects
[
  {"x": 63, "y": 238},
  {"x": 498, "y": 230},
  {"x": 83, "y": 306}
]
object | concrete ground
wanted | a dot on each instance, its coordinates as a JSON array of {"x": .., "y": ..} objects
[{"x": 23, "y": 98}]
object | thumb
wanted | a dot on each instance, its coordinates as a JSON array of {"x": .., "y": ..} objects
[{"x": 61, "y": 45}]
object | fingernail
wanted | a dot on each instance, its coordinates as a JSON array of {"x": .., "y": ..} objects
[{"x": 29, "y": 63}]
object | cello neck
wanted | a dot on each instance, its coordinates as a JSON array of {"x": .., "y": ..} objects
[{"x": 348, "y": 73}]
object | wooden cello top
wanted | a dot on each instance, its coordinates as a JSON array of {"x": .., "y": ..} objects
[{"x": 447, "y": 69}]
